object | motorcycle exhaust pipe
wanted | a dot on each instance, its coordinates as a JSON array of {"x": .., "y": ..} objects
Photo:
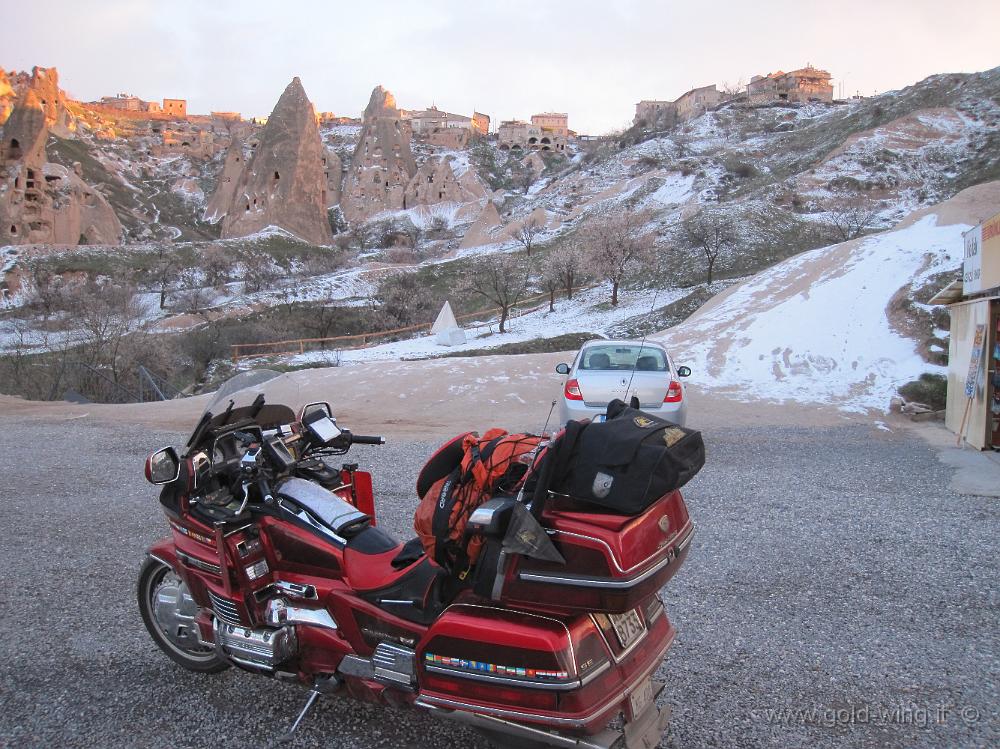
[{"x": 606, "y": 739}]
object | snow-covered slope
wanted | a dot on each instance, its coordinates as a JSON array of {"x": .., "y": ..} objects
[{"x": 816, "y": 328}]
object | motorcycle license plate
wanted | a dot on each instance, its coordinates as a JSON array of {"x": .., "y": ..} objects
[
  {"x": 628, "y": 627},
  {"x": 640, "y": 697}
]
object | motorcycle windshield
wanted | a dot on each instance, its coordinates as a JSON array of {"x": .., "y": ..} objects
[{"x": 242, "y": 391}]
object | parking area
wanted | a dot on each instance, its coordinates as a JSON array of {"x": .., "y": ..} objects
[{"x": 838, "y": 593}]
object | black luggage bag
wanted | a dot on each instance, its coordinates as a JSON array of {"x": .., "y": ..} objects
[{"x": 627, "y": 462}]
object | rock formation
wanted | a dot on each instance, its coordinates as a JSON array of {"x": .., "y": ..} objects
[
  {"x": 25, "y": 133},
  {"x": 435, "y": 182},
  {"x": 382, "y": 164},
  {"x": 45, "y": 84},
  {"x": 6, "y": 97},
  {"x": 42, "y": 202},
  {"x": 334, "y": 177},
  {"x": 284, "y": 183},
  {"x": 222, "y": 198},
  {"x": 485, "y": 229}
]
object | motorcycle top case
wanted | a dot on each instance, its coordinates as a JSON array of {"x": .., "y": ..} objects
[
  {"x": 627, "y": 462},
  {"x": 612, "y": 561}
]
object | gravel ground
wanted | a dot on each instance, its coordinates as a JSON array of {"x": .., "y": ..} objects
[{"x": 832, "y": 574}]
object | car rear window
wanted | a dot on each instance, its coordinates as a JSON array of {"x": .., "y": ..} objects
[{"x": 612, "y": 357}]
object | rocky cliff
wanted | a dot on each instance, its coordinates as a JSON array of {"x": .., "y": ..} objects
[
  {"x": 42, "y": 202},
  {"x": 284, "y": 183}
]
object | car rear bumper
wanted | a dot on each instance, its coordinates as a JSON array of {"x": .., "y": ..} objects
[{"x": 575, "y": 410}]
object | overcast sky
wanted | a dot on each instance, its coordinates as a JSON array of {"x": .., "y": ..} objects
[{"x": 507, "y": 58}]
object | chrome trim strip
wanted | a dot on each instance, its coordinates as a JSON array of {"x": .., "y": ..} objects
[
  {"x": 198, "y": 564},
  {"x": 296, "y": 590},
  {"x": 603, "y": 582},
  {"x": 161, "y": 560},
  {"x": 684, "y": 532},
  {"x": 558, "y": 686}
]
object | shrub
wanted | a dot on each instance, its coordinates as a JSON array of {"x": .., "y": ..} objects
[{"x": 929, "y": 389}]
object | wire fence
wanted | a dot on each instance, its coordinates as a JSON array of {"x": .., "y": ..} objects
[{"x": 293, "y": 346}]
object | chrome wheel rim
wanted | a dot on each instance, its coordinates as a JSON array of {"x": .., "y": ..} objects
[{"x": 173, "y": 611}]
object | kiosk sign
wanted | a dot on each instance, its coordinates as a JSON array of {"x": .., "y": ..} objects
[
  {"x": 981, "y": 268},
  {"x": 972, "y": 381}
]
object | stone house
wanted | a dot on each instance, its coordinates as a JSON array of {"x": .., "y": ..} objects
[
  {"x": 175, "y": 107},
  {"x": 422, "y": 121},
  {"x": 690, "y": 104},
  {"x": 517, "y": 135},
  {"x": 480, "y": 123},
  {"x": 556, "y": 123},
  {"x": 654, "y": 111},
  {"x": 697, "y": 101},
  {"x": 802, "y": 85}
]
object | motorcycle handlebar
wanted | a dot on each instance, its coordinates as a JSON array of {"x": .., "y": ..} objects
[{"x": 362, "y": 439}]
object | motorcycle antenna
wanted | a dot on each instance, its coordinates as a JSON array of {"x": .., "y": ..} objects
[{"x": 546, "y": 424}]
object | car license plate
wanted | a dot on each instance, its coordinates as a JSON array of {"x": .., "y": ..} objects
[
  {"x": 640, "y": 697},
  {"x": 599, "y": 418},
  {"x": 628, "y": 627}
]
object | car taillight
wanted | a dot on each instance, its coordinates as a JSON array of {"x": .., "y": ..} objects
[
  {"x": 572, "y": 392},
  {"x": 674, "y": 392}
]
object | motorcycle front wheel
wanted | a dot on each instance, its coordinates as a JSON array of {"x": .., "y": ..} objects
[{"x": 168, "y": 612}]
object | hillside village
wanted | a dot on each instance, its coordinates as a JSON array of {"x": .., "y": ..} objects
[{"x": 213, "y": 240}]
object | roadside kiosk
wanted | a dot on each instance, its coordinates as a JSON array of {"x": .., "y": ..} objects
[{"x": 973, "y": 408}]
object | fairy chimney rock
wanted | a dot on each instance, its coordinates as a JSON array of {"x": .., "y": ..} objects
[
  {"x": 284, "y": 183},
  {"x": 45, "y": 84},
  {"x": 382, "y": 164},
  {"x": 25, "y": 133},
  {"x": 232, "y": 170}
]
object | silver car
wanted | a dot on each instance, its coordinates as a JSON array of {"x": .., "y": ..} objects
[{"x": 604, "y": 370}]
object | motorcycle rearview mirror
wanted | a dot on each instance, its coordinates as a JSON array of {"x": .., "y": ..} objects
[
  {"x": 163, "y": 466},
  {"x": 317, "y": 407},
  {"x": 562, "y": 368},
  {"x": 683, "y": 371},
  {"x": 321, "y": 426}
]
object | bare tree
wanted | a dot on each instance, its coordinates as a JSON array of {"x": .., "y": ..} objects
[
  {"x": 526, "y": 233},
  {"x": 500, "y": 278},
  {"x": 218, "y": 267},
  {"x": 615, "y": 244},
  {"x": 111, "y": 319},
  {"x": 711, "y": 233},
  {"x": 852, "y": 215},
  {"x": 562, "y": 266},
  {"x": 165, "y": 271},
  {"x": 732, "y": 90},
  {"x": 49, "y": 292},
  {"x": 402, "y": 299},
  {"x": 259, "y": 272}
]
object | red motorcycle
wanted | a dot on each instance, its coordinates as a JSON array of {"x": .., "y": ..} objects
[{"x": 275, "y": 564}]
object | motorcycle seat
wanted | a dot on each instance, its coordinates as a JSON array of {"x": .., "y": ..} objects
[
  {"x": 371, "y": 566},
  {"x": 337, "y": 514}
]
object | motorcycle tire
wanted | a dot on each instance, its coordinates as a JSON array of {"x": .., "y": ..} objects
[{"x": 154, "y": 576}]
